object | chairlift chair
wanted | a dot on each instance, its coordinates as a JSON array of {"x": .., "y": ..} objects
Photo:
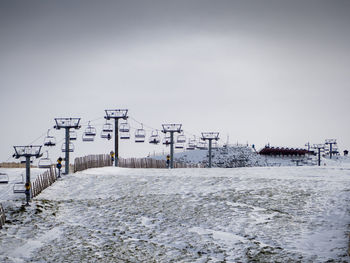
[
  {"x": 107, "y": 127},
  {"x": 154, "y": 138},
  {"x": 166, "y": 140},
  {"x": 179, "y": 145},
  {"x": 19, "y": 188},
  {"x": 124, "y": 127},
  {"x": 140, "y": 135},
  {"x": 106, "y": 135},
  {"x": 90, "y": 131},
  {"x": 214, "y": 145},
  {"x": 23, "y": 160},
  {"x": 202, "y": 145},
  {"x": 191, "y": 144},
  {"x": 87, "y": 137},
  {"x": 73, "y": 135},
  {"x": 124, "y": 135},
  {"x": 45, "y": 162},
  {"x": 4, "y": 178},
  {"x": 49, "y": 140},
  {"x": 181, "y": 138},
  {"x": 71, "y": 147}
]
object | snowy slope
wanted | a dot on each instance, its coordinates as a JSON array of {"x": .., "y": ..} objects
[{"x": 263, "y": 214}]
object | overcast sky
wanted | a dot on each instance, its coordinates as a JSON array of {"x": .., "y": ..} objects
[{"x": 257, "y": 71}]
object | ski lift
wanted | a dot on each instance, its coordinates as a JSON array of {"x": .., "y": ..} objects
[
  {"x": 106, "y": 135},
  {"x": 45, "y": 162},
  {"x": 125, "y": 135},
  {"x": 214, "y": 145},
  {"x": 49, "y": 140},
  {"x": 107, "y": 127},
  {"x": 155, "y": 138},
  {"x": 181, "y": 138},
  {"x": 179, "y": 145},
  {"x": 4, "y": 178},
  {"x": 71, "y": 147},
  {"x": 24, "y": 160},
  {"x": 90, "y": 131},
  {"x": 87, "y": 137},
  {"x": 72, "y": 135},
  {"x": 19, "y": 188},
  {"x": 140, "y": 134},
  {"x": 202, "y": 145},
  {"x": 167, "y": 140},
  {"x": 191, "y": 144},
  {"x": 124, "y": 127}
]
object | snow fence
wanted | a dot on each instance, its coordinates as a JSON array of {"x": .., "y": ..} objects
[
  {"x": 102, "y": 160},
  {"x": 2, "y": 216},
  {"x": 43, "y": 181}
]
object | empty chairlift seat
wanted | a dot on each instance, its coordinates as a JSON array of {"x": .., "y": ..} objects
[
  {"x": 89, "y": 134},
  {"x": 107, "y": 128},
  {"x": 73, "y": 135},
  {"x": 4, "y": 178},
  {"x": 90, "y": 131},
  {"x": 87, "y": 138},
  {"x": 19, "y": 188},
  {"x": 124, "y": 127},
  {"x": 191, "y": 144},
  {"x": 71, "y": 147},
  {"x": 202, "y": 145},
  {"x": 45, "y": 162},
  {"x": 140, "y": 134}
]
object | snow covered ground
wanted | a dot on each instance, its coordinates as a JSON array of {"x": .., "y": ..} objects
[{"x": 263, "y": 214}]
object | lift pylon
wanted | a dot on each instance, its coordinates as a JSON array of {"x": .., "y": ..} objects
[
  {"x": 172, "y": 128},
  {"x": 210, "y": 136},
  {"x": 67, "y": 124},
  {"x": 27, "y": 152},
  {"x": 116, "y": 115}
]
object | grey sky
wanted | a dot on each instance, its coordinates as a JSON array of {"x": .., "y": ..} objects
[{"x": 258, "y": 71}]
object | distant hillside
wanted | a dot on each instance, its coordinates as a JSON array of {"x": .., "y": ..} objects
[{"x": 238, "y": 156}]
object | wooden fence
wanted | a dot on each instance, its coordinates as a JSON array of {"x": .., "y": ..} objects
[
  {"x": 102, "y": 160},
  {"x": 2, "y": 216},
  {"x": 43, "y": 181},
  {"x": 92, "y": 161}
]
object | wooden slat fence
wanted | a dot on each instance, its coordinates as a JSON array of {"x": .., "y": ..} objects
[
  {"x": 43, "y": 181},
  {"x": 2, "y": 216},
  {"x": 102, "y": 160},
  {"x": 92, "y": 161}
]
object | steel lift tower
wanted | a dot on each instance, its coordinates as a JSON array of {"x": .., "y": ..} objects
[
  {"x": 172, "y": 128},
  {"x": 67, "y": 124},
  {"x": 27, "y": 152},
  {"x": 116, "y": 115},
  {"x": 330, "y": 142},
  {"x": 210, "y": 136}
]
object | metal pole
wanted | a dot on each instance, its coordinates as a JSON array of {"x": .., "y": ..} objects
[
  {"x": 67, "y": 151},
  {"x": 330, "y": 148},
  {"x": 171, "y": 149},
  {"x": 319, "y": 156},
  {"x": 28, "y": 190},
  {"x": 210, "y": 141},
  {"x": 116, "y": 142}
]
